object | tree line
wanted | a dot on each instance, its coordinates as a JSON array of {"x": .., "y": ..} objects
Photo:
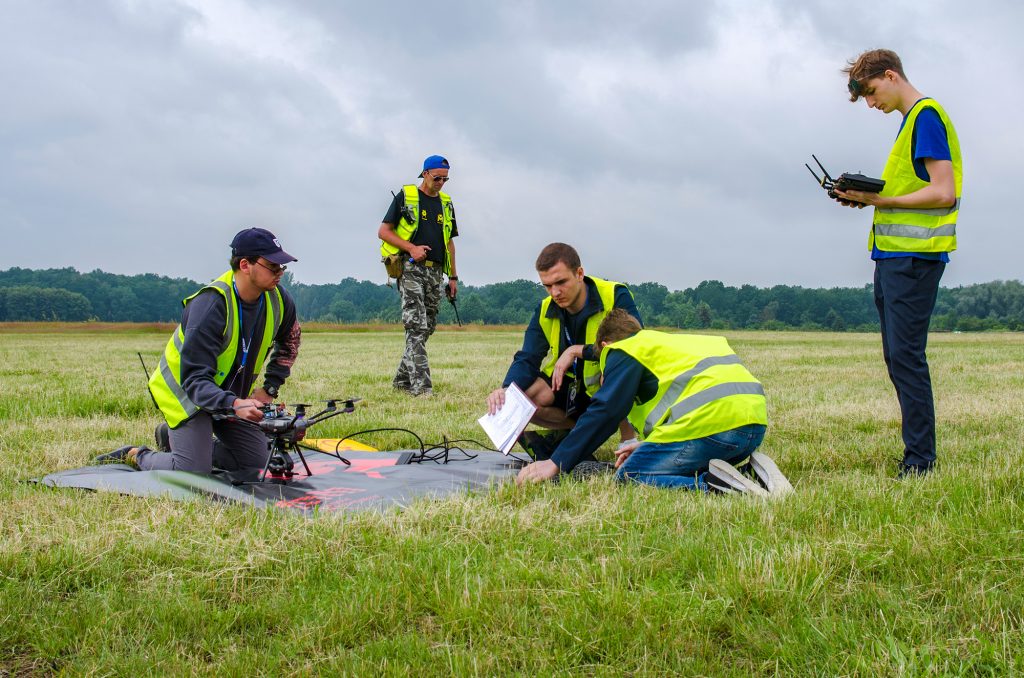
[{"x": 67, "y": 295}]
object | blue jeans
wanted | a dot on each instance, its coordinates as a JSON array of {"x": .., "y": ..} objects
[{"x": 684, "y": 464}]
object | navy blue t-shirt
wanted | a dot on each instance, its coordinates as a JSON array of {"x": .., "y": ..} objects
[{"x": 928, "y": 140}]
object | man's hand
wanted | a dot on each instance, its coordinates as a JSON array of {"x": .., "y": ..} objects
[
  {"x": 495, "y": 400},
  {"x": 626, "y": 449},
  {"x": 261, "y": 395},
  {"x": 452, "y": 290},
  {"x": 858, "y": 199},
  {"x": 563, "y": 364},
  {"x": 418, "y": 252},
  {"x": 248, "y": 408},
  {"x": 537, "y": 472}
]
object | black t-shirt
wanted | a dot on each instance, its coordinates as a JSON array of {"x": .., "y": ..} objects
[{"x": 430, "y": 232}]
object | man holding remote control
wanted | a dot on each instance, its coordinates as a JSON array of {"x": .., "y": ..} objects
[{"x": 912, "y": 234}]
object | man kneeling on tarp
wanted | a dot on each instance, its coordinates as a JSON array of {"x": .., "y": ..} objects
[
  {"x": 211, "y": 363},
  {"x": 699, "y": 410}
]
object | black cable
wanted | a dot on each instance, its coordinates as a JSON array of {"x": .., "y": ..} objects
[
  {"x": 510, "y": 455},
  {"x": 439, "y": 453},
  {"x": 337, "y": 447}
]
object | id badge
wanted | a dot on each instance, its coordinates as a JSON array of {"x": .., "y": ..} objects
[{"x": 570, "y": 401}]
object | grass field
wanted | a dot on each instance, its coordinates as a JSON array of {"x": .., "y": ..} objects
[{"x": 854, "y": 575}]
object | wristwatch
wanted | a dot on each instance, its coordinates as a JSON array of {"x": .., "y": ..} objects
[{"x": 271, "y": 390}]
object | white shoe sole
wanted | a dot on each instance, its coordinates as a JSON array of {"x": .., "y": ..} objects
[
  {"x": 767, "y": 471},
  {"x": 721, "y": 473}
]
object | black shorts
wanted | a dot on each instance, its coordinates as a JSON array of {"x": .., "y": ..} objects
[{"x": 579, "y": 404}]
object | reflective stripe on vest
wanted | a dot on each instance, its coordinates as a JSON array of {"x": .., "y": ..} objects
[
  {"x": 406, "y": 229},
  {"x": 165, "y": 382},
  {"x": 909, "y": 229},
  {"x": 703, "y": 388},
  {"x": 679, "y": 385},
  {"x": 552, "y": 328}
]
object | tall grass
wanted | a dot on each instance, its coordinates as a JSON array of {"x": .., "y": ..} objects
[{"x": 856, "y": 574}]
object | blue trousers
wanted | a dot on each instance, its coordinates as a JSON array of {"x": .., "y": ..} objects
[
  {"x": 683, "y": 464},
  {"x": 905, "y": 291}
]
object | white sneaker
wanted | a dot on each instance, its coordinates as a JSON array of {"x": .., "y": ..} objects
[
  {"x": 724, "y": 477},
  {"x": 767, "y": 471}
]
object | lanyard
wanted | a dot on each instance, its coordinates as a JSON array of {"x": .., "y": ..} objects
[
  {"x": 568, "y": 339},
  {"x": 241, "y": 324}
]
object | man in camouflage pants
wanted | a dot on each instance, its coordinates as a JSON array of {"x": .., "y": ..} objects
[{"x": 419, "y": 230}]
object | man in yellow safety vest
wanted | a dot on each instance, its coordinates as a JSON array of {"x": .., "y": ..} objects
[
  {"x": 211, "y": 363},
  {"x": 557, "y": 365},
  {"x": 699, "y": 411},
  {"x": 912, "y": 234},
  {"x": 418, "y": 246}
]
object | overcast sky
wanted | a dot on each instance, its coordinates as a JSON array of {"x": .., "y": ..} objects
[{"x": 664, "y": 139}]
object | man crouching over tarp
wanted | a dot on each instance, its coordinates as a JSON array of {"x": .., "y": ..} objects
[
  {"x": 212, "y": 360},
  {"x": 699, "y": 411}
]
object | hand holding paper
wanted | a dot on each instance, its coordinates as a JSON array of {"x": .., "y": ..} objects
[{"x": 504, "y": 426}]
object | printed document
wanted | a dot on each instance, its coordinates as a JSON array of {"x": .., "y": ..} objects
[{"x": 505, "y": 425}]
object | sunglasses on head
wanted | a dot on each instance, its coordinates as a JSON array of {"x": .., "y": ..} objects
[{"x": 857, "y": 87}]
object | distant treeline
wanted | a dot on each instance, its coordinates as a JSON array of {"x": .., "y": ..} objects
[{"x": 67, "y": 295}]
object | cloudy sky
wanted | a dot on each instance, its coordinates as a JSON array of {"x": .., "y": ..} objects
[{"x": 665, "y": 139}]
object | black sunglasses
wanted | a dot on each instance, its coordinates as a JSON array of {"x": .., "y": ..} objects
[
  {"x": 443, "y": 180},
  {"x": 856, "y": 87},
  {"x": 276, "y": 269}
]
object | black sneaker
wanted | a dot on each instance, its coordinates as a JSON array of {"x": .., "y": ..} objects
[
  {"x": 542, "y": 445},
  {"x": 162, "y": 435},
  {"x": 535, "y": 445},
  {"x": 912, "y": 471},
  {"x": 589, "y": 469},
  {"x": 122, "y": 455}
]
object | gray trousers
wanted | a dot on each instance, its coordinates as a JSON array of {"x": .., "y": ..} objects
[{"x": 194, "y": 448}]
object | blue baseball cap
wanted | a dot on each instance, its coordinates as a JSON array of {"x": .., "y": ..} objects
[
  {"x": 259, "y": 242},
  {"x": 435, "y": 162}
]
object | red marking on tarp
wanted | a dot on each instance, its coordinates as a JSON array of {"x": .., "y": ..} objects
[
  {"x": 331, "y": 497},
  {"x": 317, "y": 497}
]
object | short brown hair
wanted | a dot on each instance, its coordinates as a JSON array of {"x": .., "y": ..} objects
[
  {"x": 236, "y": 261},
  {"x": 869, "y": 65},
  {"x": 558, "y": 252},
  {"x": 616, "y": 326}
]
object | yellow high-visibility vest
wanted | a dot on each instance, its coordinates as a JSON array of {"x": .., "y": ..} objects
[
  {"x": 165, "y": 382},
  {"x": 911, "y": 229},
  {"x": 703, "y": 388},
  {"x": 552, "y": 328},
  {"x": 407, "y": 229}
]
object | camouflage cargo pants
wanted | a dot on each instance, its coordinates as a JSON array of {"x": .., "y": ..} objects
[{"x": 421, "y": 296}]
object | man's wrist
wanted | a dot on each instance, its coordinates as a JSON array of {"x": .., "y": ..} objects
[
  {"x": 453, "y": 277},
  {"x": 272, "y": 390}
]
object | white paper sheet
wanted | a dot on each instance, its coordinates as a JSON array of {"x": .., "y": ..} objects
[{"x": 504, "y": 426}]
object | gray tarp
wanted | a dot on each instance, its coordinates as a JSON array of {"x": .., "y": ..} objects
[{"x": 375, "y": 480}]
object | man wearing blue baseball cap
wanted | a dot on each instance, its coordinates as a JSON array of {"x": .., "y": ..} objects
[
  {"x": 228, "y": 329},
  {"x": 417, "y": 246}
]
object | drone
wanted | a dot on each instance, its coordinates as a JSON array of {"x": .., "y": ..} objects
[{"x": 285, "y": 430}]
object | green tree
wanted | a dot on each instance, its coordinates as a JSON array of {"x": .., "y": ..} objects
[{"x": 703, "y": 315}]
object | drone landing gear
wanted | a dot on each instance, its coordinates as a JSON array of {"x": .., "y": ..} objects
[
  {"x": 284, "y": 431},
  {"x": 279, "y": 467}
]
